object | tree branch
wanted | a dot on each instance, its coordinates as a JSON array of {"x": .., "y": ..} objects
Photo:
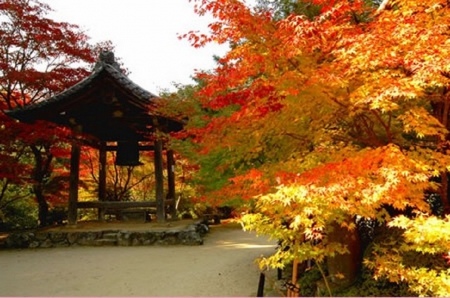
[{"x": 382, "y": 6}]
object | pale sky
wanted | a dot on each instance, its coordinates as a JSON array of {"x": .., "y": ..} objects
[{"x": 145, "y": 35}]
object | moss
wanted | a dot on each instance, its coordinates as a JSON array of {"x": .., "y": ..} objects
[
  {"x": 364, "y": 286},
  {"x": 367, "y": 286},
  {"x": 308, "y": 282},
  {"x": 19, "y": 215}
]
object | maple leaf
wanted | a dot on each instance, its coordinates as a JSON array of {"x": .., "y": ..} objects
[
  {"x": 40, "y": 57},
  {"x": 322, "y": 118}
]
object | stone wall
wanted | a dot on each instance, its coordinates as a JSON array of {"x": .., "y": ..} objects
[{"x": 190, "y": 235}]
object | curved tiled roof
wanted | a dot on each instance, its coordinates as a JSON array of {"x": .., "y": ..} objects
[
  {"x": 102, "y": 67},
  {"x": 88, "y": 103}
]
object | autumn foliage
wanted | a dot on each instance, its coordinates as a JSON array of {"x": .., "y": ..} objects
[
  {"x": 328, "y": 120},
  {"x": 39, "y": 57}
]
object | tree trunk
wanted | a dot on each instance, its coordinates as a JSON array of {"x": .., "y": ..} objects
[
  {"x": 444, "y": 192},
  {"x": 159, "y": 181},
  {"x": 441, "y": 111},
  {"x": 347, "y": 265},
  {"x": 382, "y": 6},
  {"x": 42, "y": 170},
  {"x": 171, "y": 182},
  {"x": 73, "y": 184},
  {"x": 42, "y": 205}
]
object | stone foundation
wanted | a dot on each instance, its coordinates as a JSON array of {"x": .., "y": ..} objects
[{"x": 190, "y": 235}]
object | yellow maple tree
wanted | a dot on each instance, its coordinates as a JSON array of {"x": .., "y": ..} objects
[{"x": 327, "y": 120}]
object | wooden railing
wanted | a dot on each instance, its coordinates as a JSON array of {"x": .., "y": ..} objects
[
  {"x": 142, "y": 209},
  {"x": 121, "y": 205}
]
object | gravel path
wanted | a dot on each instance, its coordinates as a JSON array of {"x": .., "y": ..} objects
[{"x": 223, "y": 266}]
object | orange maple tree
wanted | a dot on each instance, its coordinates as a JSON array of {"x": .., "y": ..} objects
[{"x": 330, "y": 119}]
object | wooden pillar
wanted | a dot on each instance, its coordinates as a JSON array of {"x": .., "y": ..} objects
[
  {"x": 102, "y": 179},
  {"x": 73, "y": 183},
  {"x": 159, "y": 181},
  {"x": 171, "y": 182}
]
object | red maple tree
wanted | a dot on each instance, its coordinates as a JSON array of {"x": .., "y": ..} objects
[{"x": 39, "y": 58}]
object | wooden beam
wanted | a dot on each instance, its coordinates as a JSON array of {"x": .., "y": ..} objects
[
  {"x": 171, "y": 181},
  {"x": 121, "y": 205},
  {"x": 102, "y": 179},
  {"x": 73, "y": 183},
  {"x": 140, "y": 147},
  {"x": 159, "y": 182}
]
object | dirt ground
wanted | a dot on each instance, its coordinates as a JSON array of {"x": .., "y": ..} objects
[{"x": 223, "y": 266}]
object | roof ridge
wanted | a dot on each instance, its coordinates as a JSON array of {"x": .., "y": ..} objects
[{"x": 105, "y": 63}]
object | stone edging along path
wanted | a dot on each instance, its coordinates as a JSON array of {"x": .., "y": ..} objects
[{"x": 191, "y": 234}]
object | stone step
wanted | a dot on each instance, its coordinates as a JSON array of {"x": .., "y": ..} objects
[
  {"x": 188, "y": 235},
  {"x": 110, "y": 236},
  {"x": 106, "y": 242}
]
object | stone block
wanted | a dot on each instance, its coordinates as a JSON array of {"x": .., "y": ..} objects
[
  {"x": 123, "y": 242},
  {"x": 58, "y": 236},
  {"x": 34, "y": 244},
  {"x": 47, "y": 243},
  {"x": 88, "y": 238},
  {"x": 41, "y": 236},
  {"x": 72, "y": 238}
]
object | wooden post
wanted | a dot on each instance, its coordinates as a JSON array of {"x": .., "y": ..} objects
[
  {"x": 102, "y": 179},
  {"x": 260, "y": 292},
  {"x": 294, "y": 292},
  {"x": 171, "y": 182},
  {"x": 73, "y": 183},
  {"x": 159, "y": 182}
]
